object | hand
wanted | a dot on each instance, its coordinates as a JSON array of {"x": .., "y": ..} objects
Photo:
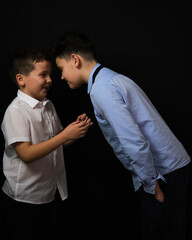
[
  {"x": 77, "y": 129},
  {"x": 159, "y": 193},
  {"x": 81, "y": 117},
  {"x": 84, "y": 117}
]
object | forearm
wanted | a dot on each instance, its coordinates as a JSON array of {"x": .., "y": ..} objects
[
  {"x": 30, "y": 152},
  {"x": 69, "y": 142}
]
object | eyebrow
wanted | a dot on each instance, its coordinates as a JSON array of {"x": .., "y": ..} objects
[{"x": 45, "y": 71}]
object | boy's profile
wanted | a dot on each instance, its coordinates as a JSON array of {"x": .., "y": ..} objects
[
  {"x": 33, "y": 161},
  {"x": 139, "y": 136}
]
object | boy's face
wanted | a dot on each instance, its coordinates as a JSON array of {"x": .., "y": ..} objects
[
  {"x": 70, "y": 72},
  {"x": 38, "y": 82}
]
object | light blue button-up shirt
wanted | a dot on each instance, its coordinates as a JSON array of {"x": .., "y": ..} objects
[{"x": 140, "y": 138}]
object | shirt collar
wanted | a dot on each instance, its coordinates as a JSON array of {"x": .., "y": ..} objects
[
  {"x": 90, "y": 81},
  {"x": 30, "y": 100}
]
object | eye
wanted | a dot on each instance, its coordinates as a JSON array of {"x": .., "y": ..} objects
[{"x": 43, "y": 75}]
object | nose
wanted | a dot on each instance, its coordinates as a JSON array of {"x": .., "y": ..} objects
[
  {"x": 62, "y": 76},
  {"x": 49, "y": 80}
]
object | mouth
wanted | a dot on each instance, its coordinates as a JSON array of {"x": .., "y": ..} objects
[
  {"x": 46, "y": 88},
  {"x": 67, "y": 82}
]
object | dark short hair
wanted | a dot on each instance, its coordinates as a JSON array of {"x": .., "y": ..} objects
[
  {"x": 23, "y": 62},
  {"x": 74, "y": 42}
]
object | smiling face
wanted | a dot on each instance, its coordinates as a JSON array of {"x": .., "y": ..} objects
[
  {"x": 70, "y": 71},
  {"x": 37, "y": 83}
]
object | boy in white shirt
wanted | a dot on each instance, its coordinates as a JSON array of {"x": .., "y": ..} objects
[{"x": 33, "y": 161}]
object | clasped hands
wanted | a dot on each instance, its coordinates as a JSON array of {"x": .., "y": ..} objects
[
  {"x": 78, "y": 129},
  {"x": 84, "y": 123}
]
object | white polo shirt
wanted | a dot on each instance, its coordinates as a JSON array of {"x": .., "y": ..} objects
[{"x": 29, "y": 120}]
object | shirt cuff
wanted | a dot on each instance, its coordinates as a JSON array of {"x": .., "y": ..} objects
[{"x": 150, "y": 188}]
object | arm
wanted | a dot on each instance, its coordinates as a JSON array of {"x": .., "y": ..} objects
[
  {"x": 124, "y": 135},
  {"x": 29, "y": 152}
]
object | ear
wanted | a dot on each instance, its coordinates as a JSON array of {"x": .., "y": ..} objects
[
  {"x": 20, "y": 80},
  {"x": 76, "y": 60}
]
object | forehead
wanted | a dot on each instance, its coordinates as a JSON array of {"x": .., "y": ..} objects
[
  {"x": 60, "y": 61},
  {"x": 43, "y": 66}
]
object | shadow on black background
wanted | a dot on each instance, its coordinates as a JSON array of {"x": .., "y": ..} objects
[{"x": 149, "y": 44}]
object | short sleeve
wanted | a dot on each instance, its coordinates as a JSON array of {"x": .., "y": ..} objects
[{"x": 15, "y": 126}]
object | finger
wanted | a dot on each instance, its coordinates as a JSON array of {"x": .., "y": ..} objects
[
  {"x": 91, "y": 123},
  {"x": 83, "y": 123},
  {"x": 82, "y": 134},
  {"x": 73, "y": 123},
  {"x": 88, "y": 120},
  {"x": 82, "y": 117}
]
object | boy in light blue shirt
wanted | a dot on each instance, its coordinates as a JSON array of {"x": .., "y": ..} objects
[{"x": 139, "y": 136}]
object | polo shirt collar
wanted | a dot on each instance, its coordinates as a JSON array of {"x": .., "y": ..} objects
[{"x": 30, "y": 100}]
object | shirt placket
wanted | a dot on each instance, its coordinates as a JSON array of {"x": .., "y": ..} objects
[
  {"x": 49, "y": 125},
  {"x": 51, "y": 135}
]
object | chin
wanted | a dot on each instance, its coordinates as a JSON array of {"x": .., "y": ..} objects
[{"x": 74, "y": 86}]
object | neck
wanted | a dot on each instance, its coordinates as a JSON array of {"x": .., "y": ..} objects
[{"x": 89, "y": 68}]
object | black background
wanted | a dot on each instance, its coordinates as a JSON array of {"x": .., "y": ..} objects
[{"x": 151, "y": 45}]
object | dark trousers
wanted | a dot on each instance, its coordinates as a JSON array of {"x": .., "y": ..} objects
[
  {"x": 24, "y": 221},
  {"x": 167, "y": 220}
]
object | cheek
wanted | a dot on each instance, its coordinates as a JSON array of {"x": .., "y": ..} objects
[
  {"x": 71, "y": 75},
  {"x": 30, "y": 84}
]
